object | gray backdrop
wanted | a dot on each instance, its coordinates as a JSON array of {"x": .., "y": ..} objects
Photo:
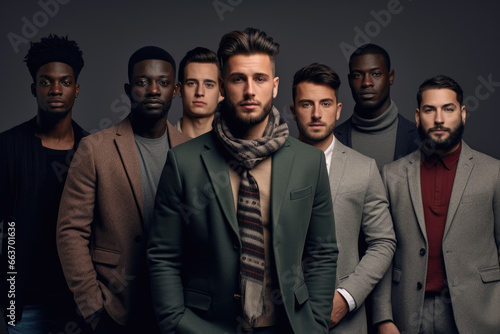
[{"x": 424, "y": 38}]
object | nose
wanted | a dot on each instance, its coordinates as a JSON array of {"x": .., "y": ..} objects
[
  {"x": 439, "y": 117},
  {"x": 55, "y": 89},
  {"x": 249, "y": 89},
  {"x": 316, "y": 113},
  {"x": 200, "y": 90},
  {"x": 367, "y": 81},
  {"x": 153, "y": 88}
]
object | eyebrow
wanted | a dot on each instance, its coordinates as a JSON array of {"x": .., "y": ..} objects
[
  {"x": 204, "y": 80},
  {"x": 443, "y": 106},
  {"x": 309, "y": 100},
  {"x": 253, "y": 75},
  {"x": 49, "y": 77}
]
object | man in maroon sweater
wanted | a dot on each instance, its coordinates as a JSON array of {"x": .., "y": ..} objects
[{"x": 445, "y": 205}]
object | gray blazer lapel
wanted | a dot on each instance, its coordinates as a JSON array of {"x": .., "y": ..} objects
[
  {"x": 217, "y": 169},
  {"x": 464, "y": 169},
  {"x": 413, "y": 173},
  {"x": 337, "y": 166},
  {"x": 126, "y": 147},
  {"x": 280, "y": 175}
]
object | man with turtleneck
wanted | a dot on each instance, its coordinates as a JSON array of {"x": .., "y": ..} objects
[{"x": 375, "y": 129}]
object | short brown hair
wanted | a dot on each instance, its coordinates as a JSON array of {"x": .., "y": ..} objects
[
  {"x": 318, "y": 74},
  {"x": 248, "y": 42}
]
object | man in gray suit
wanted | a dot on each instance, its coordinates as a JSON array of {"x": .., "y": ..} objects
[
  {"x": 445, "y": 204},
  {"x": 358, "y": 195}
]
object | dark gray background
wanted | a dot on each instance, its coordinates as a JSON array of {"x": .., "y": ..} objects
[{"x": 424, "y": 38}]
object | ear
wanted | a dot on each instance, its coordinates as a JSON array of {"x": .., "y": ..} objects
[
  {"x": 464, "y": 114},
  {"x": 391, "y": 77},
  {"x": 127, "y": 89},
  {"x": 417, "y": 117},
  {"x": 221, "y": 87},
  {"x": 292, "y": 109},
  {"x": 33, "y": 90},
  {"x": 77, "y": 90},
  {"x": 276, "y": 82},
  {"x": 178, "y": 90},
  {"x": 339, "y": 109}
]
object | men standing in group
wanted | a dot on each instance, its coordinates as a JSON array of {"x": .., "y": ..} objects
[
  {"x": 244, "y": 238},
  {"x": 107, "y": 204},
  {"x": 358, "y": 195},
  {"x": 445, "y": 204},
  {"x": 375, "y": 129},
  {"x": 34, "y": 160},
  {"x": 198, "y": 87}
]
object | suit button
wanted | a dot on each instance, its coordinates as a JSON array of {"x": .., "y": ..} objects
[
  {"x": 237, "y": 296},
  {"x": 236, "y": 246},
  {"x": 419, "y": 286},
  {"x": 422, "y": 251},
  {"x": 137, "y": 238}
]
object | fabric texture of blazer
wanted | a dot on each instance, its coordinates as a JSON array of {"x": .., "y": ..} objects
[
  {"x": 471, "y": 245},
  {"x": 100, "y": 235},
  {"x": 407, "y": 138},
  {"x": 359, "y": 205},
  {"x": 194, "y": 246}
]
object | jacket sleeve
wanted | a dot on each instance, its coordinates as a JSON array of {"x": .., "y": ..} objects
[
  {"x": 378, "y": 230},
  {"x": 381, "y": 296},
  {"x": 74, "y": 228},
  {"x": 321, "y": 252}
]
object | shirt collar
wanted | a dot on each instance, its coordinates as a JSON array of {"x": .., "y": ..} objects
[
  {"x": 449, "y": 160},
  {"x": 328, "y": 154}
]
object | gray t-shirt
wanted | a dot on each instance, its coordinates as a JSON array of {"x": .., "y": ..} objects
[{"x": 152, "y": 155}]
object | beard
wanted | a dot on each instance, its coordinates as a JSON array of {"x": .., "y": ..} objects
[
  {"x": 238, "y": 123},
  {"x": 444, "y": 145},
  {"x": 314, "y": 137}
]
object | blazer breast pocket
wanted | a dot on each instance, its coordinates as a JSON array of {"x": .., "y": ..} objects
[
  {"x": 301, "y": 193},
  {"x": 490, "y": 274}
]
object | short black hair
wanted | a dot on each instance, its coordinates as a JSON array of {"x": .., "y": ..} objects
[
  {"x": 316, "y": 73},
  {"x": 149, "y": 52},
  {"x": 248, "y": 42},
  {"x": 371, "y": 49},
  {"x": 197, "y": 55},
  {"x": 440, "y": 82},
  {"x": 54, "y": 49}
]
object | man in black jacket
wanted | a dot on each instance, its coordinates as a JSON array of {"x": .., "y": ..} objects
[{"x": 34, "y": 159}]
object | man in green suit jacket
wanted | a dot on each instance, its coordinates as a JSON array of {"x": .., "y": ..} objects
[{"x": 243, "y": 239}]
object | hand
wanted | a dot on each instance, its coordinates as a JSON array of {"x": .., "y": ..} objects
[
  {"x": 340, "y": 309},
  {"x": 387, "y": 327}
]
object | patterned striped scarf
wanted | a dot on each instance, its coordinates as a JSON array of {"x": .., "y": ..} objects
[{"x": 247, "y": 154}]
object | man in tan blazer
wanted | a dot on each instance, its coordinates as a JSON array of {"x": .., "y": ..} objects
[
  {"x": 358, "y": 195},
  {"x": 445, "y": 204},
  {"x": 107, "y": 203}
]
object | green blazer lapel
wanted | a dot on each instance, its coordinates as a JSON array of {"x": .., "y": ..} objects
[
  {"x": 464, "y": 170},
  {"x": 413, "y": 176},
  {"x": 126, "y": 147},
  {"x": 337, "y": 166},
  {"x": 280, "y": 175},
  {"x": 217, "y": 170}
]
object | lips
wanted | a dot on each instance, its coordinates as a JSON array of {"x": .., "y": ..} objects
[
  {"x": 316, "y": 125},
  {"x": 153, "y": 103},
  {"x": 249, "y": 105},
  {"x": 55, "y": 103},
  {"x": 368, "y": 94},
  {"x": 199, "y": 103}
]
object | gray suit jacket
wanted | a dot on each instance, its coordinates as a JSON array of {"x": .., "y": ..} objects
[
  {"x": 471, "y": 245},
  {"x": 194, "y": 245},
  {"x": 359, "y": 204}
]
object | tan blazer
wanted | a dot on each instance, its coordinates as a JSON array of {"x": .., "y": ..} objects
[
  {"x": 359, "y": 205},
  {"x": 471, "y": 245},
  {"x": 100, "y": 237}
]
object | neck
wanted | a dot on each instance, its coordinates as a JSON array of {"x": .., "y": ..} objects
[
  {"x": 371, "y": 113},
  {"x": 148, "y": 127},
  {"x": 55, "y": 134},
  {"x": 322, "y": 144},
  {"x": 196, "y": 126}
]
